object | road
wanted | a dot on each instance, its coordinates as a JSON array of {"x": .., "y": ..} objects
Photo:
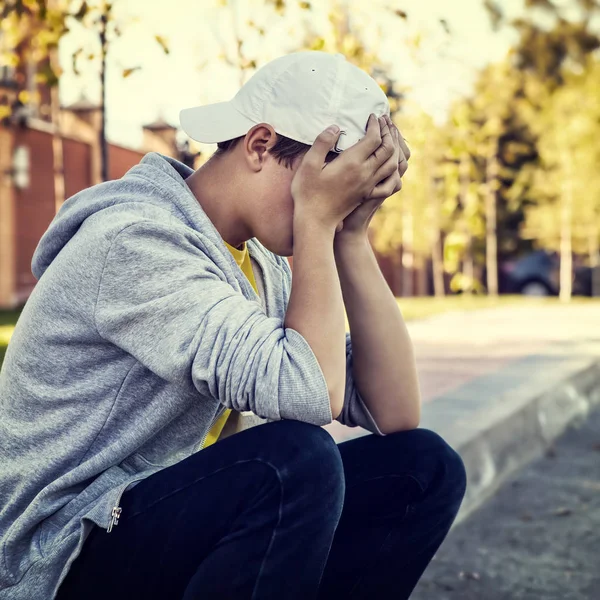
[{"x": 537, "y": 539}]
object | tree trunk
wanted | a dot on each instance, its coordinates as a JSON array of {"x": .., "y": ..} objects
[
  {"x": 566, "y": 233},
  {"x": 408, "y": 258},
  {"x": 491, "y": 236},
  {"x": 469, "y": 267},
  {"x": 421, "y": 272},
  {"x": 438, "y": 267},
  {"x": 103, "y": 51},
  {"x": 57, "y": 143},
  {"x": 465, "y": 179},
  {"x": 437, "y": 261},
  {"x": 594, "y": 253}
]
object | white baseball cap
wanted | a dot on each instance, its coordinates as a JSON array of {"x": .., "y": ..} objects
[{"x": 299, "y": 95}]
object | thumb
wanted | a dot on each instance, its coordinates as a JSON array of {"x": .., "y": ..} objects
[{"x": 324, "y": 143}]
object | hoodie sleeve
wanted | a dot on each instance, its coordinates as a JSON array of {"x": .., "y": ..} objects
[
  {"x": 355, "y": 412},
  {"x": 162, "y": 300}
]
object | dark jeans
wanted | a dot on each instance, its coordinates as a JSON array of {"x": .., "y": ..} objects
[{"x": 279, "y": 511}]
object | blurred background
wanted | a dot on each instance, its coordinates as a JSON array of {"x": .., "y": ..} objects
[
  {"x": 492, "y": 246},
  {"x": 500, "y": 103}
]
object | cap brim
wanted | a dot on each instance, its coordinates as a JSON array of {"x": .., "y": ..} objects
[{"x": 214, "y": 123}]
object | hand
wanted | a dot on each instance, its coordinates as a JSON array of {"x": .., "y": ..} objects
[
  {"x": 327, "y": 193},
  {"x": 357, "y": 222}
]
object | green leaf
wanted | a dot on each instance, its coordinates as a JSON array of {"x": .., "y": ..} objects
[{"x": 318, "y": 44}]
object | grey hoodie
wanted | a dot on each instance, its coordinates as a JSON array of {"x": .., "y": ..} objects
[{"x": 140, "y": 330}]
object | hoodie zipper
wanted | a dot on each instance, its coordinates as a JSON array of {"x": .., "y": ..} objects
[
  {"x": 115, "y": 513},
  {"x": 200, "y": 445},
  {"x": 116, "y": 510}
]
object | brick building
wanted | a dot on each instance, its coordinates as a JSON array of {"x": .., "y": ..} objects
[
  {"x": 28, "y": 199},
  {"x": 33, "y": 183}
]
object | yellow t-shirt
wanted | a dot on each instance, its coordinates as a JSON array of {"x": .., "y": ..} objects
[{"x": 242, "y": 258}]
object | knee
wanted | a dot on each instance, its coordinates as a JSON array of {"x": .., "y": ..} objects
[
  {"x": 438, "y": 467},
  {"x": 309, "y": 459},
  {"x": 448, "y": 469}
]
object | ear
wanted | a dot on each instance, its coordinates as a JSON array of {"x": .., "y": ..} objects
[{"x": 258, "y": 141}]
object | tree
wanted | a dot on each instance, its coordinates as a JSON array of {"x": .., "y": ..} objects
[
  {"x": 35, "y": 28},
  {"x": 247, "y": 24},
  {"x": 505, "y": 144},
  {"x": 415, "y": 219},
  {"x": 463, "y": 248},
  {"x": 99, "y": 18},
  {"x": 549, "y": 51},
  {"x": 32, "y": 30},
  {"x": 343, "y": 36},
  {"x": 567, "y": 213}
]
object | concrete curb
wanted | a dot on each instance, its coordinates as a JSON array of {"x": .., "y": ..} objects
[{"x": 504, "y": 437}]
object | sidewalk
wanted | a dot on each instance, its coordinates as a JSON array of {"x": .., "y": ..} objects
[
  {"x": 539, "y": 537},
  {"x": 500, "y": 384}
]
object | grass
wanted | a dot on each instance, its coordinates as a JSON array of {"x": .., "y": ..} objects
[
  {"x": 8, "y": 320},
  {"x": 412, "y": 308},
  {"x": 421, "y": 308}
]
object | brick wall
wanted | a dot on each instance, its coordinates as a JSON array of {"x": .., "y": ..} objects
[
  {"x": 77, "y": 158},
  {"x": 121, "y": 159},
  {"x": 34, "y": 206}
]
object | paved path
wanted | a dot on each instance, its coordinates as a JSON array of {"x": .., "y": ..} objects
[
  {"x": 537, "y": 539},
  {"x": 467, "y": 359}
]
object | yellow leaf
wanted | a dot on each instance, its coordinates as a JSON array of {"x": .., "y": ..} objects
[
  {"x": 162, "y": 43},
  {"x": 128, "y": 72}
]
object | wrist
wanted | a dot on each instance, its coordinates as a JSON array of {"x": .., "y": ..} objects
[
  {"x": 306, "y": 224},
  {"x": 352, "y": 239}
]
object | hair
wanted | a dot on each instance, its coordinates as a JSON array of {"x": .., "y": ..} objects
[{"x": 286, "y": 151}]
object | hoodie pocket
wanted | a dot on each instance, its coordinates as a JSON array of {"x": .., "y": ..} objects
[{"x": 137, "y": 463}]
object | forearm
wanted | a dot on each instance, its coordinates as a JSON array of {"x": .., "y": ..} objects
[
  {"x": 316, "y": 308},
  {"x": 384, "y": 367}
]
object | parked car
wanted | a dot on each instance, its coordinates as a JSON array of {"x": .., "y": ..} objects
[{"x": 538, "y": 274}]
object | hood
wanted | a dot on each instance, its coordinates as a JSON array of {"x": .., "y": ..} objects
[{"x": 158, "y": 180}]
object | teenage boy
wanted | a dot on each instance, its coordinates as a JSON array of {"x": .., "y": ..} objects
[{"x": 165, "y": 310}]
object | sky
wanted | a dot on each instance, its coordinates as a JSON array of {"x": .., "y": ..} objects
[{"x": 435, "y": 73}]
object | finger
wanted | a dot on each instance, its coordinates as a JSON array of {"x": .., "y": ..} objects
[
  {"x": 325, "y": 141},
  {"x": 400, "y": 141},
  {"x": 388, "y": 187},
  {"x": 393, "y": 129},
  {"x": 385, "y": 150},
  {"x": 369, "y": 143},
  {"x": 402, "y": 166},
  {"x": 403, "y": 145},
  {"x": 388, "y": 169},
  {"x": 402, "y": 160}
]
